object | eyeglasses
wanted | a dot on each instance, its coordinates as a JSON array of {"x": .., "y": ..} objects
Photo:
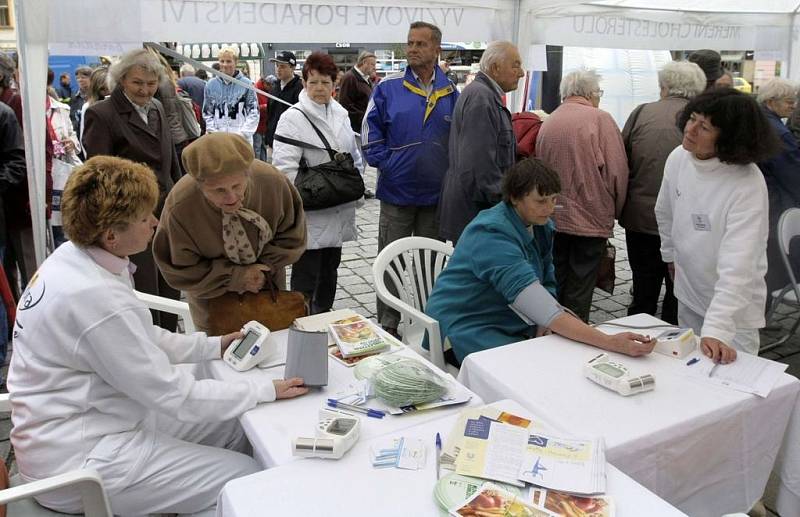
[{"x": 598, "y": 93}]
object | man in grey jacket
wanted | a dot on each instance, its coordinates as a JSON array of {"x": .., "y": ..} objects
[{"x": 478, "y": 158}]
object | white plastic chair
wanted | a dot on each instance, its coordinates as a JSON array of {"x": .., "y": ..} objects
[
  {"x": 159, "y": 303},
  {"x": 788, "y": 227},
  {"x": 19, "y": 498},
  {"x": 412, "y": 265}
]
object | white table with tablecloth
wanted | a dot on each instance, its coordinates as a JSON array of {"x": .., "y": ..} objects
[
  {"x": 706, "y": 449},
  {"x": 352, "y": 487},
  {"x": 271, "y": 427}
]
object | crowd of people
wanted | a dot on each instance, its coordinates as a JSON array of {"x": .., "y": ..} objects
[{"x": 181, "y": 184}]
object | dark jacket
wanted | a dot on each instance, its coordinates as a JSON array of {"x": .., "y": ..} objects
[
  {"x": 354, "y": 93},
  {"x": 650, "y": 135},
  {"x": 195, "y": 87},
  {"x": 782, "y": 172},
  {"x": 114, "y": 128},
  {"x": 12, "y": 161},
  {"x": 291, "y": 94},
  {"x": 482, "y": 148}
]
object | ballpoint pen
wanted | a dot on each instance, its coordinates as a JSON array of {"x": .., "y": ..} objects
[
  {"x": 438, "y": 454},
  {"x": 374, "y": 413}
]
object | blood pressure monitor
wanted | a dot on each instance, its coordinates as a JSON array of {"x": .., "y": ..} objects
[
  {"x": 335, "y": 435},
  {"x": 250, "y": 350},
  {"x": 614, "y": 376}
]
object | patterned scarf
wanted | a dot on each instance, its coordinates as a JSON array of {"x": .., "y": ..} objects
[{"x": 234, "y": 238}]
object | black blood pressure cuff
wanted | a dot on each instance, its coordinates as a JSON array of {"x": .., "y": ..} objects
[{"x": 536, "y": 306}]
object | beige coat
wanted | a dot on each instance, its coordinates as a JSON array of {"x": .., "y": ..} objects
[{"x": 188, "y": 244}]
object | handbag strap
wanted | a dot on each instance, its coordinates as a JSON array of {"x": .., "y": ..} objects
[{"x": 304, "y": 145}]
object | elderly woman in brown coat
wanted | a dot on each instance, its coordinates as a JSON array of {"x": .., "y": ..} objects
[
  {"x": 131, "y": 124},
  {"x": 229, "y": 221}
]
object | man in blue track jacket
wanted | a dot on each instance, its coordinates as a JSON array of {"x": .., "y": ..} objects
[{"x": 405, "y": 135}]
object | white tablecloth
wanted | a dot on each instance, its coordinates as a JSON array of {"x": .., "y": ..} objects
[
  {"x": 706, "y": 449},
  {"x": 272, "y": 427},
  {"x": 351, "y": 486}
]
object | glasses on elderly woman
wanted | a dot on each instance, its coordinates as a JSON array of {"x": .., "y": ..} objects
[{"x": 598, "y": 93}]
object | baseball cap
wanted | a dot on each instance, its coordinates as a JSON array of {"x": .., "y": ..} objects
[
  {"x": 709, "y": 61},
  {"x": 285, "y": 56}
]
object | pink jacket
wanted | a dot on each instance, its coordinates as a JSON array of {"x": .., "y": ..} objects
[{"x": 584, "y": 145}]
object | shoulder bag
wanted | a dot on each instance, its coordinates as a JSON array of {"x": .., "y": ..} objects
[{"x": 328, "y": 184}]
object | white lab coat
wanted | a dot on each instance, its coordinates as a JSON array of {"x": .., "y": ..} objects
[
  {"x": 329, "y": 227},
  {"x": 93, "y": 383}
]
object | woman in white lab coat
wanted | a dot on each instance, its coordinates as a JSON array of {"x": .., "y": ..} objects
[{"x": 93, "y": 382}]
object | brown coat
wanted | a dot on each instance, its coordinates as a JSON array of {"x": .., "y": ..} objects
[
  {"x": 113, "y": 128},
  {"x": 354, "y": 93},
  {"x": 188, "y": 244}
]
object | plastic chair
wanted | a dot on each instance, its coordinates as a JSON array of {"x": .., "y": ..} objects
[
  {"x": 788, "y": 227},
  {"x": 412, "y": 265},
  {"x": 19, "y": 498},
  {"x": 159, "y": 303}
]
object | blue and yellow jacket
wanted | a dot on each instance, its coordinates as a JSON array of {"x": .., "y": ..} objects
[{"x": 405, "y": 135}]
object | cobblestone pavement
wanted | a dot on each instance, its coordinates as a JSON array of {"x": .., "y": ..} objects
[{"x": 356, "y": 291}]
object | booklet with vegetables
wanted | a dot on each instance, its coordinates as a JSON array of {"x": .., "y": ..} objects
[
  {"x": 570, "y": 505},
  {"x": 357, "y": 336}
]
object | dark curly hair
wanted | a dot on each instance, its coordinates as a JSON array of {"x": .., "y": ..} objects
[
  {"x": 528, "y": 175},
  {"x": 322, "y": 63},
  {"x": 745, "y": 134}
]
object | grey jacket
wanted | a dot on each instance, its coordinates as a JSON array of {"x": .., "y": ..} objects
[
  {"x": 482, "y": 148},
  {"x": 650, "y": 134}
]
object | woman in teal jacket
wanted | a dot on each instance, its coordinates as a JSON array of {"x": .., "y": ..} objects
[{"x": 499, "y": 286}]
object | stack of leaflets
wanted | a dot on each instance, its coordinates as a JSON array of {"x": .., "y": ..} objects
[
  {"x": 494, "y": 501},
  {"x": 489, "y": 444},
  {"x": 356, "y": 336},
  {"x": 570, "y": 505}
]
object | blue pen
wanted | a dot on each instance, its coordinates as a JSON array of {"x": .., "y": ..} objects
[
  {"x": 692, "y": 361},
  {"x": 438, "y": 454},
  {"x": 374, "y": 413}
]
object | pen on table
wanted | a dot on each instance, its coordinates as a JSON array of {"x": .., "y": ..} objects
[
  {"x": 692, "y": 361},
  {"x": 438, "y": 454},
  {"x": 374, "y": 413}
]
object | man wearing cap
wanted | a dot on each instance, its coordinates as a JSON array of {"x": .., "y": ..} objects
[
  {"x": 356, "y": 88},
  {"x": 288, "y": 88},
  {"x": 230, "y": 107},
  {"x": 710, "y": 62},
  {"x": 405, "y": 135},
  {"x": 225, "y": 224},
  {"x": 83, "y": 75}
]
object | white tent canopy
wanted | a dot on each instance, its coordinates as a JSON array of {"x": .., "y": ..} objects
[{"x": 110, "y": 26}]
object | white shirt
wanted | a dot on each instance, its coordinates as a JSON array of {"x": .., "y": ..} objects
[
  {"x": 712, "y": 219},
  {"x": 88, "y": 363}
]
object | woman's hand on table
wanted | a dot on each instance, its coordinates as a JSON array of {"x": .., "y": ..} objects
[
  {"x": 717, "y": 351},
  {"x": 542, "y": 331},
  {"x": 254, "y": 277},
  {"x": 632, "y": 344},
  {"x": 289, "y": 388}
]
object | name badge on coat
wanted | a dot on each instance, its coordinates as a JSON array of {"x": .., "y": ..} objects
[{"x": 701, "y": 222}]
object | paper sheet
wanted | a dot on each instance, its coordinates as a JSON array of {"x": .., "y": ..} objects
[
  {"x": 492, "y": 450},
  {"x": 748, "y": 373}
]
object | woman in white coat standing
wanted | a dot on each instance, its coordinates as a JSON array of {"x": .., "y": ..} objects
[{"x": 316, "y": 272}]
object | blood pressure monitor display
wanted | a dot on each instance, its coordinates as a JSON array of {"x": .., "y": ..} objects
[
  {"x": 609, "y": 370},
  {"x": 250, "y": 350},
  {"x": 244, "y": 346}
]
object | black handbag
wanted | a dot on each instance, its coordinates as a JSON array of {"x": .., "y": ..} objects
[{"x": 327, "y": 184}]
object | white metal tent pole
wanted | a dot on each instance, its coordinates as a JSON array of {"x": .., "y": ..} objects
[
  {"x": 32, "y": 34},
  {"x": 791, "y": 68}
]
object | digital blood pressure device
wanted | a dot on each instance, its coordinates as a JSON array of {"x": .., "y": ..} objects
[
  {"x": 614, "y": 376},
  {"x": 250, "y": 350},
  {"x": 335, "y": 435},
  {"x": 677, "y": 343}
]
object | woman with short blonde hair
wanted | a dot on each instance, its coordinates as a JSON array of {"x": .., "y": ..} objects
[{"x": 94, "y": 384}]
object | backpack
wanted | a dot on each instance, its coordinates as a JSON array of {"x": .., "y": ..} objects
[
  {"x": 526, "y": 128},
  {"x": 188, "y": 116}
]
